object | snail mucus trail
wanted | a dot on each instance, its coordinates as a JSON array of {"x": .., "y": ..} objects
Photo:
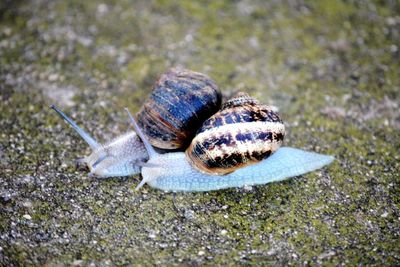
[{"x": 202, "y": 167}]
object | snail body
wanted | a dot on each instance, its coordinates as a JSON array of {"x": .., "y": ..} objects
[
  {"x": 173, "y": 172},
  {"x": 232, "y": 148}
]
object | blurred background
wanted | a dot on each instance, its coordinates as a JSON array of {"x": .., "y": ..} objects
[{"x": 330, "y": 67}]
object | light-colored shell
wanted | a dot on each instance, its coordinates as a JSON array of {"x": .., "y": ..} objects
[
  {"x": 242, "y": 133},
  {"x": 180, "y": 102}
]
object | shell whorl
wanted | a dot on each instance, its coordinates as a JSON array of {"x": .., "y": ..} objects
[
  {"x": 242, "y": 133},
  {"x": 181, "y": 100}
]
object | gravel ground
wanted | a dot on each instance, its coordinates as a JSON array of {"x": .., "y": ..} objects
[{"x": 330, "y": 67}]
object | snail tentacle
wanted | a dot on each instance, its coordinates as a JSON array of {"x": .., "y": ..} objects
[
  {"x": 150, "y": 151},
  {"x": 85, "y": 136}
]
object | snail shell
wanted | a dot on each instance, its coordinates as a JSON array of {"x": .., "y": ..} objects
[
  {"x": 242, "y": 133},
  {"x": 181, "y": 100}
]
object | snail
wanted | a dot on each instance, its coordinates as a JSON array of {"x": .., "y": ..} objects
[{"x": 235, "y": 146}]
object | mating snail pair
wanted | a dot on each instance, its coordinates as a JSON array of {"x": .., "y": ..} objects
[{"x": 205, "y": 146}]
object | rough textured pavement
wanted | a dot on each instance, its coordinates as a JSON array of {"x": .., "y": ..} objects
[{"x": 330, "y": 67}]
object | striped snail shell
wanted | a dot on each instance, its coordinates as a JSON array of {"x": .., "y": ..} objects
[
  {"x": 242, "y": 133},
  {"x": 180, "y": 101}
]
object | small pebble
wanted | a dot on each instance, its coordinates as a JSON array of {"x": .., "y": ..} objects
[
  {"x": 77, "y": 263},
  {"x": 247, "y": 188},
  {"x": 189, "y": 214},
  {"x": 27, "y": 217},
  {"x": 5, "y": 197},
  {"x": 152, "y": 235}
]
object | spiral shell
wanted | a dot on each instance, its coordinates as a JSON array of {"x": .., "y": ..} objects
[
  {"x": 242, "y": 133},
  {"x": 181, "y": 100}
]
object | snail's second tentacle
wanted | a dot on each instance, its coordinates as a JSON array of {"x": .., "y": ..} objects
[{"x": 149, "y": 148}]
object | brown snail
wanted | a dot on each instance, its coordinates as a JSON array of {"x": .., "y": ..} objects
[{"x": 231, "y": 148}]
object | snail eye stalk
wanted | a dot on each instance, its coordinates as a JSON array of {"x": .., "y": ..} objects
[
  {"x": 85, "y": 136},
  {"x": 150, "y": 150}
]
